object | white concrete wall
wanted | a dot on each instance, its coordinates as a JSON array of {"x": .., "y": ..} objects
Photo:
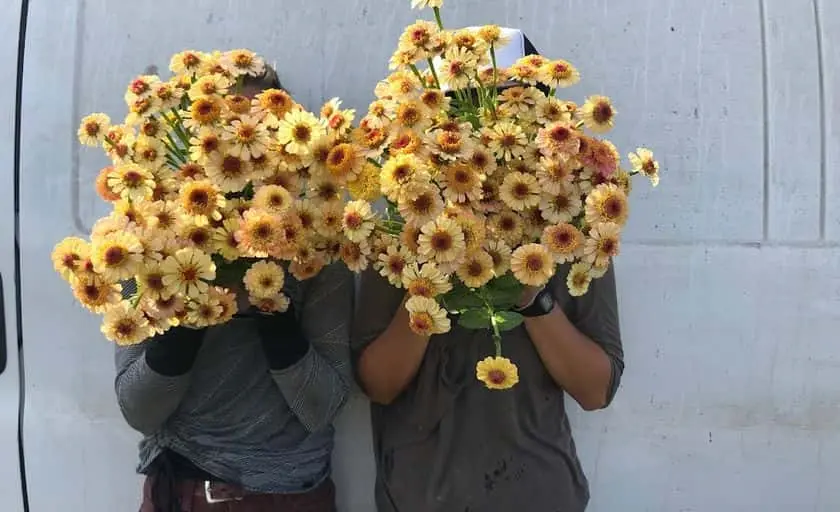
[{"x": 729, "y": 277}]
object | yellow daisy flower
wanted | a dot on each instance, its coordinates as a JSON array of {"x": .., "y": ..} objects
[
  {"x": 550, "y": 109},
  {"x": 116, "y": 256},
  {"x": 344, "y": 162},
  {"x": 607, "y": 203},
  {"x": 643, "y": 162},
  {"x": 187, "y": 272},
  {"x": 366, "y": 185},
  {"x": 497, "y": 373},
  {"x": 259, "y": 234},
  {"x": 598, "y": 114},
  {"x": 168, "y": 308},
  {"x": 400, "y": 171},
  {"x": 204, "y": 311},
  {"x": 520, "y": 191},
  {"x": 209, "y": 85},
  {"x": 392, "y": 263},
  {"x": 150, "y": 282},
  {"x": 462, "y": 183},
  {"x": 507, "y": 140},
  {"x": 598, "y": 271},
  {"x": 187, "y": 62},
  {"x": 264, "y": 279},
  {"x": 68, "y": 255},
  {"x": 276, "y": 304},
  {"x": 532, "y": 265},
  {"x": 242, "y": 62},
  {"x": 457, "y": 68},
  {"x": 563, "y": 241},
  {"x": 554, "y": 175},
  {"x": 562, "y": 207},
  {"x": 354, "y": 255},
  {"x": 578, "y": 279},
  {"x": 230, "y": 173},
  {"x": 139, "y": 110},
  {"x": 95, "y": 293},
  {"x": 472, "y": 225},
  {"x": 558, "y": 139},
  {"x": 131, "y": 182},
  {"x": 441, "y": 240},
  {"x": 602, "y": 243},
  {"x": 273, "y": 199},
  {"x": 274, "y": 101},
  {"x": 125, "y": 325},
  {"x": 102, "y": 188},
  {"x": 201, "y": 201},
  {"x": 508, "y": 226},
  {"x": 93, "y": 128},
  {"x": 206, "y": 143},
  {"x": 329, "y": 221},
  {"x": 198, "y": 237},
  {"x": 426, "y": 317},
  {"x": 246, "y": 138},
  {"x": 226, "y": 301},
  {"x": 425, "y": 280},
  {"x": 559, "y": 74},
  {"x": 492, "y": 34},
  {"x": 450, "y": 144},
  {"x": 476, "y": 270},
  {"x": 224, "y": 239},
  {"x": 163, "y": 215},
  {"x": 358, "y": 221},
  {"x": 298, "y": 131},
  {"x": 483, "y": 161},
  {"x": 500, "y": 253},
  {"x": 204, "y": 112}
]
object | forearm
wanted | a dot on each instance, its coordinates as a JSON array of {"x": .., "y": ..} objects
[
  {"x": 314, "y": 389},
  {"x": 152, "y": 378},
  {"x": 392, "y": 360},
  {"x": 575, "y": 362},
  {"x": 146, "y": 398}
]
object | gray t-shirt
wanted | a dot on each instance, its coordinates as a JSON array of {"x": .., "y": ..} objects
[
  {"x": 448, "y": 444},
  {"x": 231, "y": 415}
]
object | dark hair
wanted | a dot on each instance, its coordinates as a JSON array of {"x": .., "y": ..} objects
[{"x": 268, "y": 80}]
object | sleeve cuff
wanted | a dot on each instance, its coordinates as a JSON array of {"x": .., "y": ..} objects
[{"x": 173, "y": 353}]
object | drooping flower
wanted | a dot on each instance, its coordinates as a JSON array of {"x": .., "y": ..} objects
[
  {"x": 68, "y": 256},
  {"x": 603, "y": 242},
  {"x": 578, "y": 279},
  {"x": 96, "y": 293},
  {"x": 125, "y": 325},
  {"x": 426, "y": 317},
  {"x": 497, "y": 373},
  {"x": 644, "y": 162}
]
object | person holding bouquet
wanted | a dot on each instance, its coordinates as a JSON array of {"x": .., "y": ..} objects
[
  {"x": 238, "y": 416},
  {"x": 449, "y": 435}
]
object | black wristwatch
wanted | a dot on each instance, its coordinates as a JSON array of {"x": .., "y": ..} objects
[{"x": 543, "y": 304}]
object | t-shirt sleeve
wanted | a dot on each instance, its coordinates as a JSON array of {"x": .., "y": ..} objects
[
  {"x": 595, "y": 314},
  {"x": 376, "y": 303}
]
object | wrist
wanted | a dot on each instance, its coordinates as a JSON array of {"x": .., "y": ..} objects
[{"x": 541, "y": 305}]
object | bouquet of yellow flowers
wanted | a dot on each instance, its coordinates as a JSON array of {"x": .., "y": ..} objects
[
  {"x": 210, "y": 187},
  {"x": 490, "y": 183}
]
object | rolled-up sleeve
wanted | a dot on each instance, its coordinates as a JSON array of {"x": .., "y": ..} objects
[
  {"x": 316, "y": 387},
  {"x": 146, "y": 398},
  {"x": 595, "y": 314}
]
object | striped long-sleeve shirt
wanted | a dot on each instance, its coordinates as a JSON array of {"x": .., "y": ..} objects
[{"x": 234, "y": 417}]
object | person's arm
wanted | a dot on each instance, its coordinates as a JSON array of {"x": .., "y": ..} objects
[
  {"x": 387, "y": 352},
  {"x": 582, "y": 352},
  {"x": 310, "y": 361},
  {"x": 153, "y": 377}
]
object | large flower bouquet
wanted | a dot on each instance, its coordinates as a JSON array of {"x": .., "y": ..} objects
[
  {"x": 209, "y": 188},
  {"x": 489, "y": 182}
]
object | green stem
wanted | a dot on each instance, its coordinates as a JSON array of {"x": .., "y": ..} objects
[
  {"x": 434, "y": 73},
  {"x": 437, "y": 17},
  {"x": 374, "y": 162},
  {"x": 179, "y": 128},
  {"x": 418, "y": 75},
  {"x": 497, "y": 335},
  {"x": 495, "y": 76}
]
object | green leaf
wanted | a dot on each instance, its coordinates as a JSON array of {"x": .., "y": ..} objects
[
  {"x": 475, "y": 319},
  {"x": 461, "y": 298},
  {"x": 504, "y": 292},
  {"x": 508, "y": 320}
]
